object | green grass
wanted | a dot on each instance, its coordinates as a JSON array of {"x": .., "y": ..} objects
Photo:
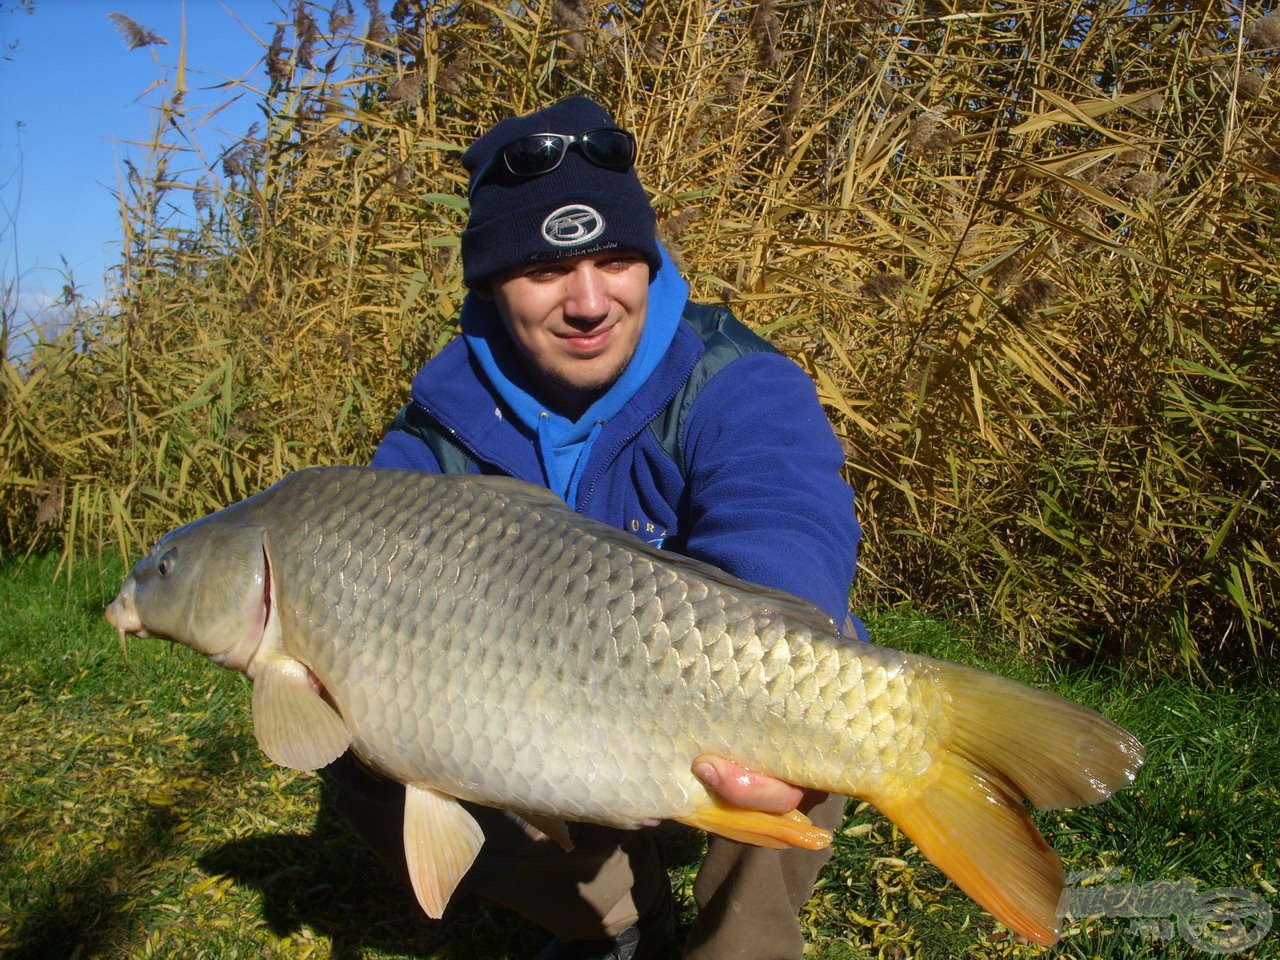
[{"x": 139, "y": 819}]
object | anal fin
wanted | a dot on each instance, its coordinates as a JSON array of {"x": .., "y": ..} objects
[
  {"x": 777, "y": 830},
  {"x": 293, "y": 724},
  {"x": 441, "y": 841}
]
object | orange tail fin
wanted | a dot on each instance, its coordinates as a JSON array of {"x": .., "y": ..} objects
[{"x": 1009, "y": 742}]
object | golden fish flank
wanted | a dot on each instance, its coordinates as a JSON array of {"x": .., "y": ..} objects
[{"x": 458, "y": 634}]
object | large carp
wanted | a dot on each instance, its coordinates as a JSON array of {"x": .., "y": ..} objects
[{"x": 473, "y": 638}]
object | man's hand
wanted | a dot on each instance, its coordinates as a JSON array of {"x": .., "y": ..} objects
[{"x": 737, "y": 785}]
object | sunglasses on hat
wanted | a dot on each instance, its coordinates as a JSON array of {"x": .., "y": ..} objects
[{"x": 538, "y": 153}]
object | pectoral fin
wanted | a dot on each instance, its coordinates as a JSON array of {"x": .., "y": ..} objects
[
  {"x": 293, "y": 724},
  {"x": 777, "y": 830},
  {"x": 441, "y": 841}
]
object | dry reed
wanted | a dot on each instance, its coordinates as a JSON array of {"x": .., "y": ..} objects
[{"x": 1027, "y": 252}]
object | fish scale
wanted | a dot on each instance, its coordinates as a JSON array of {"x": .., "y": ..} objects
[{"x": 474, "y": 639}]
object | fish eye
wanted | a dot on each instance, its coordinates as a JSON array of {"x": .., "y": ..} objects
[{"x": 167, "y": 559}]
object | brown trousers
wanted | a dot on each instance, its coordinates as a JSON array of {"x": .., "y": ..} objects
[{"x": 748, "y": 897}]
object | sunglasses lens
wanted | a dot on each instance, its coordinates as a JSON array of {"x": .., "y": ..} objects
[
  {"x": 535, "y": 154},
  {"x": 541, "y": 153},
  {"x": 614, "y": 149}
]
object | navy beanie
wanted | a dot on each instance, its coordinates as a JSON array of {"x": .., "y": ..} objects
[{"x": 576, "y": 209}]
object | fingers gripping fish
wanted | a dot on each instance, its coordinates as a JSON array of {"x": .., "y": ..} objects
[{"x": 459, "y": 634}]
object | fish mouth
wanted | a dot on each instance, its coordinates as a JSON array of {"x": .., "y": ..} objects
[{"x": 123, "y": 615}]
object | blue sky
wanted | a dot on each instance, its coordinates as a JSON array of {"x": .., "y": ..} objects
[{"x": 72, "y": 95}]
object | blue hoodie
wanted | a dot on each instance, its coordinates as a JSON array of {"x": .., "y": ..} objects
[{"x": 759, "y": 493}]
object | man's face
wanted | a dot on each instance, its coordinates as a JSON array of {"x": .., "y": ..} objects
[{"x": 575, "y": 322}]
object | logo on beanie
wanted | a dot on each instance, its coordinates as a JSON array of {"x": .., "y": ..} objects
[{"x": 569, "y": 226}]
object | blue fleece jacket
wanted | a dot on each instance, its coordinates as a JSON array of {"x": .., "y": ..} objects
[{"x": 760, "y": 495}]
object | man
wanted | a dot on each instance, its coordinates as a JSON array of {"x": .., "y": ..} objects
[{"x": 583, "y": 367}]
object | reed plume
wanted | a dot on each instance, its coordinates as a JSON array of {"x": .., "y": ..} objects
[{"x": 135, "y": 34}]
